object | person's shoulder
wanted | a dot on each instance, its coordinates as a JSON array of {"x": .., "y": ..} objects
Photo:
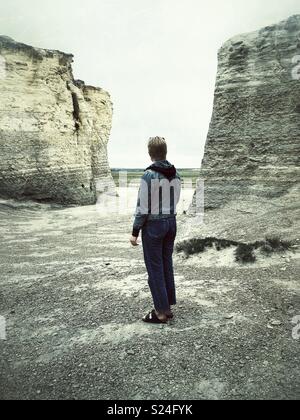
[{"x": 148, "y": 174}]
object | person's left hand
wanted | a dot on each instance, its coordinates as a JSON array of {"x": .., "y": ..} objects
[{"x": 133, "y": 241}]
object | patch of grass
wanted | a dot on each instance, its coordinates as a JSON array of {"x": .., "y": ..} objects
[
  {"x": 191, "y": 247},
  {"x": 245, "y": 254},
  {"x": 266, "y": 249},
  {"x": 275, "y": 244},
  {"x": 224, "y": 244},
  {"x": 197, "y": 245}
]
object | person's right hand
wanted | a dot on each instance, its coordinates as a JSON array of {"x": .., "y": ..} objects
[{"x": 133, "y": 241}]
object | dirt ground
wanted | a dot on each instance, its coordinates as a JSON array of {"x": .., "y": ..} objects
[{"x": 72, "y": 292}]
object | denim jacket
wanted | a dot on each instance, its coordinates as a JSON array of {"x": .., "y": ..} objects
[{"x": 159, "y": 195}]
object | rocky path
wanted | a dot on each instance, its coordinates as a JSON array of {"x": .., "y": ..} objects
[{"x": 72, "y": 292}]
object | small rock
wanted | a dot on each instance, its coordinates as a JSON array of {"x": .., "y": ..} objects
[
  {"x": 276, "y": 323},
  {"x": 229, "y": 316}
]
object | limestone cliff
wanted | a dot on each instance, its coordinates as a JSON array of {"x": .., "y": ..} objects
[
  {"x": 251, "y": 163},
  {"x": 252, "y": 148},
  {"x": 53, "y": 130}
]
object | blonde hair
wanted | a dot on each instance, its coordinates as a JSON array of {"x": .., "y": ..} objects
[{"x": 158, "y": 148}]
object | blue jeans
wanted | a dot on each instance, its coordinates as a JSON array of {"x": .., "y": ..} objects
[{"x": 158, "y": 244}]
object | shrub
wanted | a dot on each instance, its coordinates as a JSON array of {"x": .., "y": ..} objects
[
  {"x": 275, "y": 244},
  {"x": 245, "y": 254},
  {"x": 267, "y": 249},
  {"x": 191, "y": 246}
]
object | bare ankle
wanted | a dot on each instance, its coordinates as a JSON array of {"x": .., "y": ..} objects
[{"x": 162, "y": 316}]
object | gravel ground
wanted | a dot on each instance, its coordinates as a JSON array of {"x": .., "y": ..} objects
[{"x": 73, "y": 292}]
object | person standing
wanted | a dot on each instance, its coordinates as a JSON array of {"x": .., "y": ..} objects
[{"x": 155, "y": 217}]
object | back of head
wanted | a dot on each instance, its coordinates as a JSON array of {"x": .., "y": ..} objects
[{"x": 158, "y": 149}]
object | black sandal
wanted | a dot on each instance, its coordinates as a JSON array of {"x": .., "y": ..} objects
[{"x": 152, "y": 318}]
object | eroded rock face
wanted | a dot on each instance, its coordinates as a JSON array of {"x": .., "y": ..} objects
[
  {"x": 252, "y": 148},
  {"x": 53, "y": 130}
]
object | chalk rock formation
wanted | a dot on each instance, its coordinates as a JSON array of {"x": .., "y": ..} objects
[
  {"x": 252, "y": 148},
  {"x": 53, "y": 130}
]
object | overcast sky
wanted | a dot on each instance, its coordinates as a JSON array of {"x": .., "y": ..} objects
[{"x": 157, "y": 58}]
